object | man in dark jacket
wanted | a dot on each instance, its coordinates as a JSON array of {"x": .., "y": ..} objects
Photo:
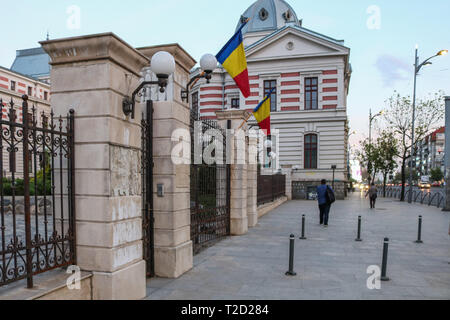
[{"x": 324, "y": 202}]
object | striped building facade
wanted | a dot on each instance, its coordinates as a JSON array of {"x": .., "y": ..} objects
[
  {"x": 311, "y": 73},
  {"x": 13, "y": 86}
]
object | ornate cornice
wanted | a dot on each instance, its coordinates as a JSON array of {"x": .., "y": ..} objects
[{"x": 104, "y": 46}]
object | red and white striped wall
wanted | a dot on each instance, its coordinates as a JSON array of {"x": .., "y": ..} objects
[
  {"x": 216, "y": 96},
  {"x": 329, "y": 89},
  {"x": 290, "y": 93},
  {"x": 255, "y": 96},
  {"x": 210, "y": 100}
]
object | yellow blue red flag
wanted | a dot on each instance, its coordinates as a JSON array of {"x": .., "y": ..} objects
[
  {"x": 262, "y": 113},
  {"x": 232, "y": 58}
]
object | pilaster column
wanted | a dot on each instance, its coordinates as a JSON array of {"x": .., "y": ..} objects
[
  {"x": 238, "y": 206},
  {"x": 92, "y": 74},
  {"x": 288, "y": 172}
]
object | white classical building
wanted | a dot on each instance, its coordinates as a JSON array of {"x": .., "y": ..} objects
[{"x": 311, "y": 73}]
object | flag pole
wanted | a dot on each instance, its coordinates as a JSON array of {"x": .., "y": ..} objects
[
  {"x": 244, "y": 122},
  {"x": 196, "y": 80}
]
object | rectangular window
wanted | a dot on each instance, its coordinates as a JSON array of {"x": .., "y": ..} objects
[
  {"x": 311, "y": 151},
  {"x": 30, "y": 91},
  {"x": 13, "y": 85},
  {"x": 45, "y": 95},
  {"x": 268, "y": 86},
  {"x": 195, "y": 104},
  {"x": 311, "y": 93},
  {"x": 235, "y": 103}
]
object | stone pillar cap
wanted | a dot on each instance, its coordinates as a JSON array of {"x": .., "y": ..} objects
[{"x": 107, "y": 46}]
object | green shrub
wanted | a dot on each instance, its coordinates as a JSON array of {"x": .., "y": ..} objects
[{"x": 35, "y": 189}]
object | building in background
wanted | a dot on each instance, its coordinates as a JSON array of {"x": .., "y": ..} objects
[
  {"x": 33, "y": 63},
  {"x": 430, "y": 153},
  {"x": 13, "y": 86},
  {"x": 311, "y": 73}
]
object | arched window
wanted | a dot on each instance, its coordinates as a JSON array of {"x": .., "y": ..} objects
[{"x": 311, "y": 151}]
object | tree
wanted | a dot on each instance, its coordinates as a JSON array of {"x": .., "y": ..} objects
[
  {"x": 398, "y": 175},
  {"x": 436, "y": 174},
  {"x": 385, "y": 152},
  {"x": 429, "y": 114},
  {"x": 367, "y": 157}
]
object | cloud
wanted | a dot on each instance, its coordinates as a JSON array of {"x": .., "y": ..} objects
[{"x": 392, "y": 69}]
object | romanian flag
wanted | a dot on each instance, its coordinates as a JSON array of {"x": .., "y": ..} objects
[
  {"x": 232, "y": 58},
  {"x": 262, "y": 113}
]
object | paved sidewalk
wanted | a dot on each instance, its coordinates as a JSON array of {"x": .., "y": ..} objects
[{"x": 330, "y": 264}]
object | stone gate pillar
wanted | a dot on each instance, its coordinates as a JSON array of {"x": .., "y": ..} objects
[
  {"x": 238, "y": 206},
  {"x": 171, "y": 119},
  {"x": 252, "y": 179},
  {"x": 92, "y": 74}
]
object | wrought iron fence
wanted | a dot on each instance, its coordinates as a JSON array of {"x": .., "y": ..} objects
[
  {"x": 427, "y": 197},
  {"x": 37, "y": 209},
  {"x": 210, "y": 188},
  {"x": 271, "y": 188}
]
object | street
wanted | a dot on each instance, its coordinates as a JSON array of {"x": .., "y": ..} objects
[{"x": 329, "y": 264}]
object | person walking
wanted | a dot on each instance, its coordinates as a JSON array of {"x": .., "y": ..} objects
[
  {"x": 325, "y": 196},
  {"x": 373, "y": 195}
]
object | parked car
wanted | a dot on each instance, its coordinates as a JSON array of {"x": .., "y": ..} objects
[
  {"x": 424, "y": 185},
  {"x": 436, "y": 184}
]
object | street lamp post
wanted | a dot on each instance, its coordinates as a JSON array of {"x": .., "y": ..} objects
[
  {"x": 447, "y": 154},
  {"x": 333, "y": 167},
  {"x": 369, "y": 165},
  {"x": 348, "y": 160},
  {"x": 417, "y": 68}
]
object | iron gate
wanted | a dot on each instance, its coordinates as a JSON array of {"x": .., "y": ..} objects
[
  {"x": 210, "y": 187},
  {"x": 147, "y": 189},
  {"x": 37, "y": 225}
]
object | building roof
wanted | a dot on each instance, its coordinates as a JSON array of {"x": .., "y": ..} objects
[
  {"x": 32, "y": 62},
  {"x": 268, "y": 15},
  {"x": 299, "y": 28}
]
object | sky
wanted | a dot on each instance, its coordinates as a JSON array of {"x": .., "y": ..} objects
[{"x": 382, "y": 36}]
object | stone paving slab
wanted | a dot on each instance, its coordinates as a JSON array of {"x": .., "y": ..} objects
[{"x": 329, "y": 264}]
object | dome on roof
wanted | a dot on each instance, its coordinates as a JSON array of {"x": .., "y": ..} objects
[{"x": 268, "y": 15}]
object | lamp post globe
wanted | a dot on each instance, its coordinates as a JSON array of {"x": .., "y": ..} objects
[
  {"x": 208, "y": 63},
  {"x": 163, "y": 64}
]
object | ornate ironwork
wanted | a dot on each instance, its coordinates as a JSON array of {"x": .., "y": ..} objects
[
  {"x": 210, "y": 188},
  {"x": 270, "y": 187},
  {"x": 435, "y": 198},
  {"x": 37, "y": 207},
  {"x": 147, "y": 188}
]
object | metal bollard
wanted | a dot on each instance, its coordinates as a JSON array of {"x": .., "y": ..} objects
[
  {"x": 303, "y": 228},
  {"x": 291, "y": 256},
  {"x": 384, "y": 263},
  {"x": 359, "y": 230},
  {"x": 419, "y": 235}
]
